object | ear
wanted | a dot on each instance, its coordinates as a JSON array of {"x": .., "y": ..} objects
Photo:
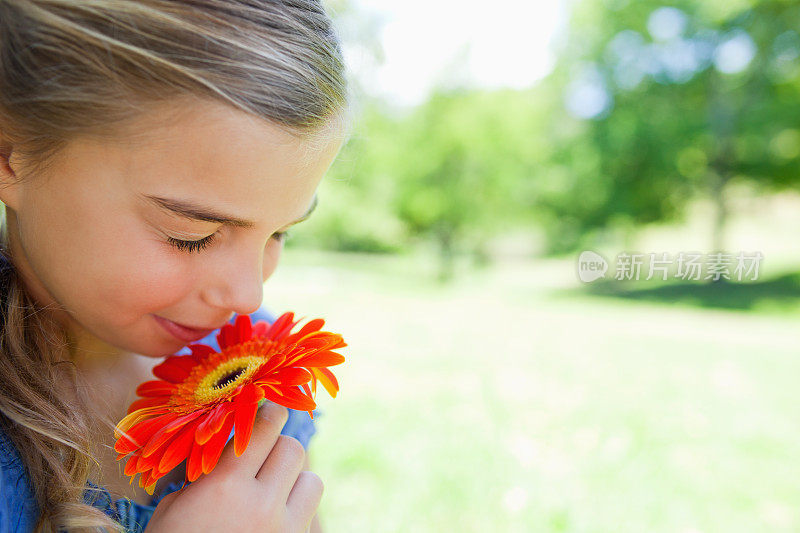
[{"x": 10, "y": 184}]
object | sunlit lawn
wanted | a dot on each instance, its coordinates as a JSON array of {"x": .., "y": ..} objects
[{"x": 503, "y": 403}]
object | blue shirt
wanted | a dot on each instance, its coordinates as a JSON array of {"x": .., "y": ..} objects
[{"x": 18, "y": 508}]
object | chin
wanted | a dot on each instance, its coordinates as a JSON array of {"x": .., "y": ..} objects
[{"x": 156, "y": 348}]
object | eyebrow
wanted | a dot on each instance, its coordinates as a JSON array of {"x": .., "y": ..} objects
[{"x": 192, "y": 211}]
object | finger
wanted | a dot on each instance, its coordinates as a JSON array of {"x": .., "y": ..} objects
[
  {"x": 167, "y": 500},
  {"x": 305, "y": 497},
  {"x": 270, "y": 419},
  {"x": 283, "y": 465}
]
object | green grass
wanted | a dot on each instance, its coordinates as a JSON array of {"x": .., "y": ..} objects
[{"x": 511, "y": 401}]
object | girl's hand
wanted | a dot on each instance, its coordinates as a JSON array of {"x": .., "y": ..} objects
[{"x": 264, "y": 490}]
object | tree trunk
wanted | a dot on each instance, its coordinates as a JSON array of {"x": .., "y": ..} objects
[
  {"x": 720, "y": 212},
  {"x": 446, "y": 256}
]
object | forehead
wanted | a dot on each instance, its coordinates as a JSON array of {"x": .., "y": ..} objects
[
  {"x": 213, "y": 152},
  {"x": 207, "y": 126}
]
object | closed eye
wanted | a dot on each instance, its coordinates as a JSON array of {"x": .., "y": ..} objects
[
  {"x": 191, "y": 246},
  {"x": 202, "y": 244}
]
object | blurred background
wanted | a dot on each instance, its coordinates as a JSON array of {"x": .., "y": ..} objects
[{"x": 488, "y": 388}]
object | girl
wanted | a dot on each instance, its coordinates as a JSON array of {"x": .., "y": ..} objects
[{"x": 153, "y": 154}]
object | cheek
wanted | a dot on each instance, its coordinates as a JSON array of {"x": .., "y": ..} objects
[
  {"x": 156, "y": 284},
  {"x": 139, "y": 275},
  {"x": 109, "y": 273}
]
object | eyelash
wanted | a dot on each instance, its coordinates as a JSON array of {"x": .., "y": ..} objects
[{"x": 198, "y": 246}]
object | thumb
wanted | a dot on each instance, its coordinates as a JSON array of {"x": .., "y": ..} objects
[{"x": 167, "y": 500}]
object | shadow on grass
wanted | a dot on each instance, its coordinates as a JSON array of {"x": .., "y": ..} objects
[{"x": 782, "y": 292}]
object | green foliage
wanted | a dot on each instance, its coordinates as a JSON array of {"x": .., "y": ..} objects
[
  {"x": 452, "y": 171},
  {"x": 680, "y": 121},
  {"x": 646, "y": 110}
]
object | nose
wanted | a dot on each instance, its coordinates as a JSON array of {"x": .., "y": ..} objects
[{"x": 236, "y": 282}]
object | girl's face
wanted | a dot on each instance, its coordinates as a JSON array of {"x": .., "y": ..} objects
[{"x": 95, "y": 234}]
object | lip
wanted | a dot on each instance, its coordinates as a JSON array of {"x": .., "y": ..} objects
[{"x": 181, "y": 332}]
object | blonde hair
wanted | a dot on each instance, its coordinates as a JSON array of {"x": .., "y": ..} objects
[{"x": 74, "y": 68}]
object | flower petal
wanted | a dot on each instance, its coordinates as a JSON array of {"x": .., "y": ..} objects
[
  {"x": 305, "y": 347},
  {"x": 143, "y": 403},
  {"x": 245, "y": 407},
  {"x": 147, "y": 463},
  {"x": 327, "y": 379},
  {"x": 260, "y": 328},
  {"x": 311, "y": 326},
  {"x": 282, "y": 326},
  {"x": 244, "y": 328},
  {"x": 130, "y": 466},
  {"x": 175, "y": 368},
  {"x": 149, "y": 489},
  {"x": 138, "y": 435},
  {"x": 228, "y": 336},
  {"x": 135, "y": 416},
  {"x": 167, "y": 433},
  {"x": 155, "y": 388},
  {"x": 194, "y": 466},
  {"x": 212, "y": 423},
  {"x": 316, "y": 342},
  {"x": 178, "y": 449},
  {"x": 289, "y": 397},
  {"x": 308, "y": 391},
  {"x": 291, "y": 376},
  {"x": 339, "y": 344},
  {"x": 213, "y": 448},
  {"x": 201, "y": 351},
  {"x": 324, "y": 358}
]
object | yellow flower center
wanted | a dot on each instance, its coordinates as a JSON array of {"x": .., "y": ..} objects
[{"x": 224, "y": 379}]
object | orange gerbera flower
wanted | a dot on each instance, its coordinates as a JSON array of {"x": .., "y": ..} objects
[{"x": 189, "y": 412}]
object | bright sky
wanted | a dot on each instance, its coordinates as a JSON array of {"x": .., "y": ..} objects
[{"x": 507, "y": 42}]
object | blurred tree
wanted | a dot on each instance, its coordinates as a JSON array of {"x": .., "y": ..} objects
[
  {"x": 649, "y": 107},
  {"x": 355, "y": 212},
  {"x": 461, "y": 161},
  {"x": 673, "y": 102},
  {"x": 454, "y": 171}
]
